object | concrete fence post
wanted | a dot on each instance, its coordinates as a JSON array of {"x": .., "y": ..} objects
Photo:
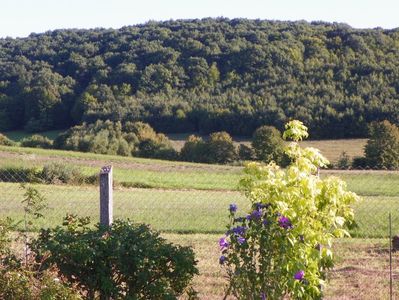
[{"x": 106, "y": 200}]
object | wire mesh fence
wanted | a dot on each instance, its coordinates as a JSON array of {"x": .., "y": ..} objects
[{"x": 188, "y": 203}]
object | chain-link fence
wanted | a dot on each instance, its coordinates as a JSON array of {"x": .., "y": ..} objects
[{"x": 188, "y": 204}]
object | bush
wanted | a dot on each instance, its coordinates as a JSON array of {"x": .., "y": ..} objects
[
  {"x": 344, "y": 162},
  {"x": 22, "y": 281},
  {"x": 360, "y": 162},
  {"x": 56, "y": 173},
  {"x": 156, "y": 149},
  {"x": 107, "y": 137},
  {"x": 245, "y": 152},
  {"x": 37, "y": 141},
  {"x": 5, "y": 141},
  {"x": 268, "y": 144},
  {"x": 194, "y": 149},
  {"x": 20, "y": 174},
  {"x": 220, "y": 148},
  {"x": 281, "y": 248},
  {"x": 122, "y": 261},
  {"x": 51, "y": 173},
  {"x": 382, "y": 149}
]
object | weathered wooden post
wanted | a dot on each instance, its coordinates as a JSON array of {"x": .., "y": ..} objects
[{"x": 106, "y": 200}]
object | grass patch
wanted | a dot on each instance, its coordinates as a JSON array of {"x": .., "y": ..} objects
[{"x": 178, "y": 211}]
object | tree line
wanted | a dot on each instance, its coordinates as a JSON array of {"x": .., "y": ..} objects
[
  {"x": 139, "y": 139},
  {"x": 204, "y": 76}
]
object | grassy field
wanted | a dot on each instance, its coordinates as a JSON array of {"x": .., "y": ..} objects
[
  {"x": 188, "y": 204},
  {"x": 182, "y": 175},
  {"x": 178, "y": 211}
]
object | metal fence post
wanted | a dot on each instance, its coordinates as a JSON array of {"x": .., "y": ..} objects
[{"x": 106, "y": 200}]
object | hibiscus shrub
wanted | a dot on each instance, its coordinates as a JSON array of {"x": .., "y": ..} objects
[
  {"x": 123, "y": 261},
  {"x": 281, "y": 248}
]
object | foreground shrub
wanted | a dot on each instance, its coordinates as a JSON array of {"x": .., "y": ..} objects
[
  {"x": 22, "y": 280},
  {"x": 122, "y": 261},
  {"x": 281, "y": 248},
  {"x": 37, "y": 141}
]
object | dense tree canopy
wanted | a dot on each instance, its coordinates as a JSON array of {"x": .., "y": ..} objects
[{"x": 203, "y": 75}]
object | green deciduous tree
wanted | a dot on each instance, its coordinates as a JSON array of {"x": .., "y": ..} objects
[
  {"x": 268, "y": 144},
  {"x": 194, "y": 149},
  {"x": 382, "y": 149},
  {"x": 220, "y": 148}
]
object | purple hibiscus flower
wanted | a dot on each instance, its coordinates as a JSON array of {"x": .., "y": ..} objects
[
  {"x": 284, "y": 222},
  {"x": 262, "y": 296},
  {"x": 241, "y": 240},
  {"x": 223, "y": 243},
  {"x": 222, "y": 259},
  {"x": 299, "y": 275},
  {"x": 233, "y": 208},
  {"x": 239, "y": 230},
  {"x": 255, "y": 215}
]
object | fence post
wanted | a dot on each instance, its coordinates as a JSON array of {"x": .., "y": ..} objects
[{"x": 106, "y": 200}]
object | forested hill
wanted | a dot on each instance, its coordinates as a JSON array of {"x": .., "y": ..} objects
[{"x": 203, "y": 75}]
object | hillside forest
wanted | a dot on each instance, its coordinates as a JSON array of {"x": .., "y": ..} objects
[{"x": 203, "y": 76}]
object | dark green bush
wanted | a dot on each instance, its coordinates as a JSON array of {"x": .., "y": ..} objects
[
  {"x": 344, "y": 161},
  {"x": 246, "y": 152},
  {"x": 220, "y": 148},
  {"x": 37, "y": 141},
  {"x": 107, "y": 137},
  {"x": 194, "y": 149},
  {"x": 122, "y": 261},
  {"x": 156, "y": 149},
  {"x": 360, "y": 162}
]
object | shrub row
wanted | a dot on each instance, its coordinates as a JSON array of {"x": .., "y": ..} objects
[{"x": 52, "y": 173}]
